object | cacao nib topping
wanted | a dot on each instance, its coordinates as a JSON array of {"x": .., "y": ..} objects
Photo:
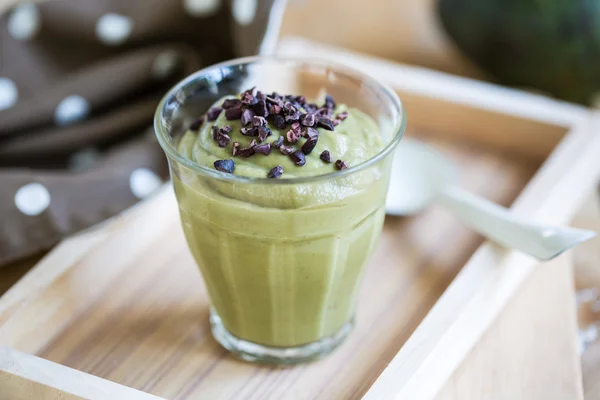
[
  {"x": 223, "y": 139},
  {"x": 292, "y": 117},
  {"x": 292, "y": 135},
  {"x": 274, "y": 109},
  {"x": 300, "y": 99},
  {"x": 279, "y": 122},
  {"x": 308, "y": 119},
  {"x": 325, "y": 123},
  {"x": 197, "y": 124},
  {"x": 236, "y": 146},
  {"x": 275, "y": 172},
  {"x": 221, "y": 135},
  {"x": 215, "y": 132},
  {"x": 326, "y": 156},
  {"x": 249, "y": 131},
  {"x": 310, "y": 133},
  {"x": 260, "y": 108},
  {"x": 247, "y": 98},
  {"x": 259, "y": 121},
  {"x": 309, "y": 145},
  {"x": 336, "y": 122},
  {"x": 298, "y": 158},
  {"x": 277, "y": 143},
  {"x": 260, "y": 95},
  {"x": 247, "y": 116},
  {"x": 264, "y": 148},
  {"x": 263, "y": 133},
  {"x": 341, "y": 164},
  {"x": 275, "y": 101},
  {"x": 247, "y": 151},
  {"x": 286, "y": 150},
  {"x": 329, "y": 102},
  {"x": 289, "y": 107},
  {"x": 213, "y": 113},
  {"x": 342, "y": 116},
  {"x": 231, "y": 103},
  {"x": 233, "y": 113},
  {"x": 225, "y": 166}
]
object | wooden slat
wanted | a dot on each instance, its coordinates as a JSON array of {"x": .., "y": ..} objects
[
  {"x": 530, "y": 351},
  {"x": 491, "y": 276},
  {"x": 26, "y": 377}
]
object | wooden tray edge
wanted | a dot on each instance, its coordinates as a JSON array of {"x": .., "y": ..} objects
[{"x": 25, "y": 376}]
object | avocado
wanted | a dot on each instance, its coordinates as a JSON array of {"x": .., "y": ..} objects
[{"x": 550, "y": 45}]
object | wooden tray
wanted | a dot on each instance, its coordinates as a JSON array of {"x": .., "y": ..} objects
[{"x": 126, "y": 303}]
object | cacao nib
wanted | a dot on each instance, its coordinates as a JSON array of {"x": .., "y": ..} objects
[
  {"x": 279, "y": 122},
  {"x": 275, "y": 172},
  {"x": 298, "y": 158},
  {"x": 326, "y": 156},
  {"x": 260, "y": 108},
  {"x": 274, "y": 109},
  {"x": 249, "y": 131},
  {"x": 292, "y": 117},
  {"x": 292, "y": 136},
  {"x": 308, "y": 119},
  {"x": 213, "y": 113},
  {"x": 263, "y": 133},
  {"x": 310, "y": 133},
  {"x": 248, "y": 150},
  {"x": 233, "y": 113},
  {"x": 231, "y": 103},
  {"x": 264, "y": 148},
  {"x": 259, "y": 121},
  {"x": 309, "y": 145},
  {"x": 277, "y": 143},
  {"x": 325, "y": 123},
  {"x": 286, "y": 150},
  {"x": 224, "y": 166},
  {"x": 247, "y": 116},
  {"x": 341, "y": 164}
]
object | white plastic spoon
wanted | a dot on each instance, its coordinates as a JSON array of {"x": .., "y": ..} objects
[{"x": 421, "y": 175}]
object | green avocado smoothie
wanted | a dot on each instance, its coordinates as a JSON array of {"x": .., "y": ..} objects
[{"x": 282, "y": 261}]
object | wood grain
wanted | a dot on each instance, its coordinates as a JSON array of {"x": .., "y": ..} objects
[
  {"x": 134, "y": 309},
  {"x": 26, "y": 377},
  {"x": 530, "y": 352}
]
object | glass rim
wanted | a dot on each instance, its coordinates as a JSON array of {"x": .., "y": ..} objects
[{"x": 173, "y": 153}]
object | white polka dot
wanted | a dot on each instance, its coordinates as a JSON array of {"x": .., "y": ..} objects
[
  {"x": 32, "y": 199},
  {"x": 24, "y": 21},
  {"x": 71, "y": 109},
  {"x": 113, "y": 29},
  {"x": 8, "y": 93},
  {"x": 164, "y": 65},
  {"x": 244, "y": 11},
  {"x": 201, "y": 8},
  {"x": 143, "y": 182}
]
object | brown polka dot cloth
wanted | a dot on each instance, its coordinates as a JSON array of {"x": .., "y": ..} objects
[{"x": 79, "y": 83}]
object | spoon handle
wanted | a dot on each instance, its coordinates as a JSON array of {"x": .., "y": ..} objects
[{"x": 503, "y": 227}]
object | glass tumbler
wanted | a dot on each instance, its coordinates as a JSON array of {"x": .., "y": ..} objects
[{"x": 282, "y": 259}]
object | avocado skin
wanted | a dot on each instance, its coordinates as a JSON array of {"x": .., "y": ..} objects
[{"x": 551, "y": 45}]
